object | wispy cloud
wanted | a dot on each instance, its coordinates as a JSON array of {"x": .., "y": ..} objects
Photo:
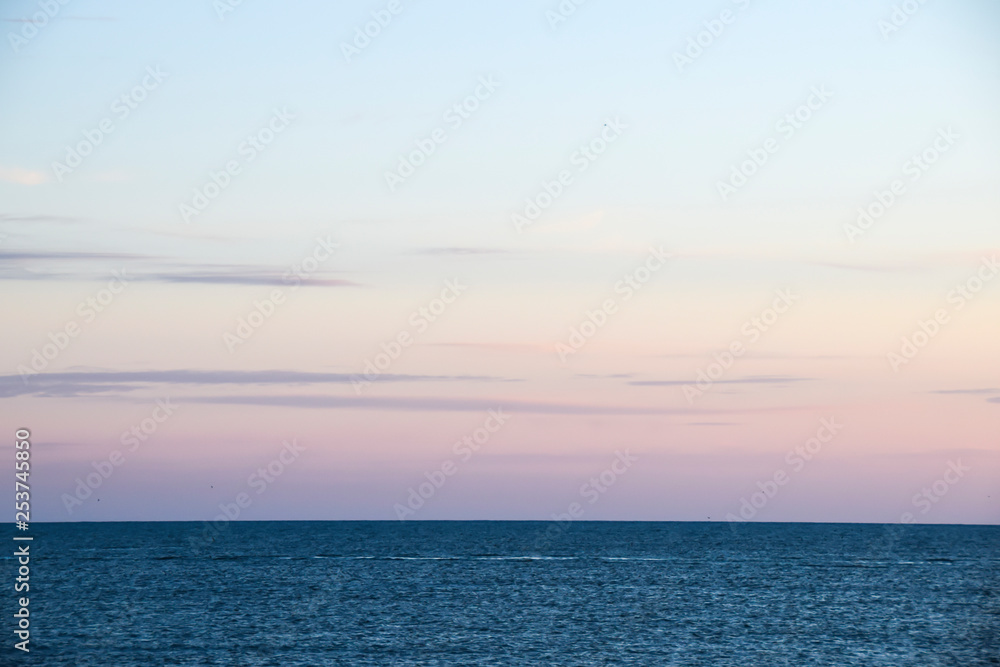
[
  {"x": 983, "y": 391},
  {"x": 501, "y": 347},
  {"x": 757, "y": 379},
  {"x": 923, "y": 262},
  {"x": 231, "y": 278},
  {"x": 713, "y": 424},
  {"x": 243, "y": 278},
  {"x": 707, "y": 354},
  {"x": 94, "y": 382},
  {"x": 58, "y": 219},
  {"x": 966, "y": 391},
  {"x": 47, "y": 265},
  {"x": 445, "y": 405},
  {"x": 23, "y": 255}
]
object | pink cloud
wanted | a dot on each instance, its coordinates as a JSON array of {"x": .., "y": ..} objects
[{"x": 22, "y": 176}]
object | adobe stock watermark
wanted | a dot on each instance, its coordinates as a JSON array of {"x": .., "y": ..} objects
[
  {"x": 131, "y": 439},
  {"x": 924, "y": 500},
  {"x": 122, "y": 108},
  {"x": 932, "y": 494},
  {"x": 363, "y": 35},
  {"x": 258, "y": 482},
  {"x": 224, "y": 7},
  {"x": 914, "y": 167},
  {"x": 585, "y": 155},
  {"x": 420, "y": 320},
  {"x": 752, "y": 330},
  {"x": 786, "y": 127},
  {"x": 30, "y": 28},
  {"x": 248, "y": 151},
  {"x": 627, "y": 287},
  {"x": 454, "y": 117},
  {"x": 265, "y": 308},
  {"x": 713, "y": 29},
  {"x": 900, "y": 16},
  {"x": 464, "y": 449},
  {"x": 562, "y": 12},
  {"x": 592, "y": 490},
  {"x": 59, "y": 340},
  {"x": 927, "y": 329},
  {"x": 797, "y": 457}
]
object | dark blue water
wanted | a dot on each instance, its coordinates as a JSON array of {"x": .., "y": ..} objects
[{"x": 511, "y": 593}]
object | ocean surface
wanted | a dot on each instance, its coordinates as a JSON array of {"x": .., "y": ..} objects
[{"x": 510, "y": 593}]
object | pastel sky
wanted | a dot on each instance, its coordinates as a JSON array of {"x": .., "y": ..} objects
[{"x": 528, "y": 206}]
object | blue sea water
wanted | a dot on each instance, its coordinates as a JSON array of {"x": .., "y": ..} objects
[{"x": 511, "y": 593}]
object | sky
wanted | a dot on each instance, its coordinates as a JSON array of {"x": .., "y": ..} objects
[{"x": 727, "y": 260}]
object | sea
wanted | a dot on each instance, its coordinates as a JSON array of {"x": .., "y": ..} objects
[{"x": 509, "y": 593}]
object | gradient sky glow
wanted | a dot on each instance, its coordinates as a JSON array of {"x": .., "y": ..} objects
[{"x": 656, "y": 185}]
